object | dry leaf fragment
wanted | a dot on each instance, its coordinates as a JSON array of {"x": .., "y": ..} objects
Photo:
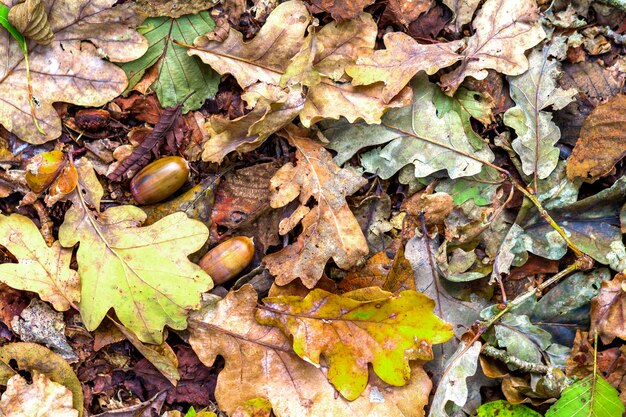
[
  {"x": 31, "y": 20},
  {"x": 141, "y": 272},
  {"x": 259, "y": 363},
  {"x": 341, "y": 9},
  {"x": 172, "y": 8},
  {"x": 504, "y": 30},
  {"x": 40, "y": 269},
  {"x": 602, "y": 141},
  {"x": 463, "y": 11},
  {"x": 71, "y": 68},
  {"x": 375, "y": 327},
  {"x": 329, "y": 229},
  {"x": 42, "y": 398}
]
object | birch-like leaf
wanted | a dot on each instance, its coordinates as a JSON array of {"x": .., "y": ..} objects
[
  {"x": 533, "y": 92},
  {"x": 590, "y": 397},
  {"x": 143, "y": 273},
  {"x": 40, "y": 269},
  {"x": 416, "y": 134},
  {"x": 71, "y": 68},
  {"x": 376, "y": 327}
]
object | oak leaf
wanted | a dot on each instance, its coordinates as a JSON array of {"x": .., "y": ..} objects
[
  {"x": 504, "y": 30},
  {"x": 463, "y": 11},
  {"x": 602, "y": 141},
  {"x": 329, "y": 229},
  {"x": 71, "y": 68},
  {"x": 259, "y": 362},
  {"x": 607, "y": 310},
  {"x": 41, "y": 269},
  {"x": 143, "y": 273},
  {"x": 375, "y": 326},
  {"x": 440, "y": 143},
  {"x": 341, "y": 9},
  {"x": 534, "y": 91},
  {"x": 42, "y": 398}
]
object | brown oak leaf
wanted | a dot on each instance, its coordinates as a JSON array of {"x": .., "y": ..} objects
[{"x": 608, "y": 310}]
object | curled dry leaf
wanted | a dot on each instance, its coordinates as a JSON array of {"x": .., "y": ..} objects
[
  {"x": 31, "y": 20},
  {"x": 141, "y": 272},
  {"x": 42, "y": 398},
  {"x": 40, "y": 269},
  {"x": 259, "y": 362},
  {"x": 329, "y": 229},
  {"x": 51, "y": 171},
  {"x": 602, "y": 141},
  {"x": 376, "y": 327},
  {"x": 71, "y": 68}
]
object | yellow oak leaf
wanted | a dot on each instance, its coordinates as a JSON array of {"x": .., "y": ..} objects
[{"x": 41, "y": 269}]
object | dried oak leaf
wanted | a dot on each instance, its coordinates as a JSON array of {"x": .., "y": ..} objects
[
  {"x": 602, "y": 141},
  {"x": 71, "y": 68},
  {"x": 608, "y": 310},
  {"x": 41, "y": 269},
  {"x": 259, "y": 362},
  {"x": 375, "y": 326},
  {"x": 329, "y": 229},
  {"x": 463, "y": 11},
  {"x": 504, "y": 30},
  {"x": 143, "y": 273},
  {"x": 42, "y": 398},
  {"x": 282, "y": 57},
  {"x": 341, "y": 9}
]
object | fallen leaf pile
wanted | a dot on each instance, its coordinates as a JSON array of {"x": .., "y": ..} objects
[{"x": 379, "y": 208}]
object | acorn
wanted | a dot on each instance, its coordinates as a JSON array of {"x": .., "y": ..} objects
[
  {"x": 159, "y": 180},
  {"x": 228, "y": 259}
]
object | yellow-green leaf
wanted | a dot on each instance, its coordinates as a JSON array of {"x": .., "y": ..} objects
[
  {"x": 357, "y": 328},
  {"x": 141, "y": 272},
  {"x": 40, "y": 269}
]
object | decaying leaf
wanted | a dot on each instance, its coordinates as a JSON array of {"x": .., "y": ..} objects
[
  {"x": 504, "y": 30},
  {"x": 416, "y": 134},
  {"x": 533, "y": 92},
  {"x": 71, "y": 68},
  {"x": 341, "y": 9},
  {"x": 602, "y": 142},
  {"x": 179, "y": 76},
  {"x": 608, "y": 310},
  {"x": 329, "y": 229},
  {"x": 141, "y": 272},
  {"x": 42, "y": 398},
  {"x": 260, "y": 363},
  {"x": 40, "y": 269},
  {"x": 172, "y": 8},
  {"x": 376, "y": 327}
]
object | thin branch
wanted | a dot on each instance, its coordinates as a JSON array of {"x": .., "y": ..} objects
[{"x": 520, "y": 364}]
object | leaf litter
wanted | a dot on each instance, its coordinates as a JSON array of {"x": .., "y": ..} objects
[{"x": 429, "y": 186}]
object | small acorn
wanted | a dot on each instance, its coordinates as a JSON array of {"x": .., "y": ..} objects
[
  {"x": 228, "y": 259},
  {"x": 159, "y": 180}
]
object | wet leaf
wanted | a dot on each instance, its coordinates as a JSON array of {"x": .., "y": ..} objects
[
  {"x": 141, "y": 272},
  {"x": 403, "y": 129},
  {"x": 329, "y": 229},
  {"x": 533, "y": 92},
  {"x": 179, "y": 76},
  {"x": 40, "y": 269},
  {"x": 602, "y": 141},
  {"x": 83, "y": 33},
  {"x": 377, "y": 327},
  {"x": 42, "y": 398},
  {"x": 260, "y": 363}
]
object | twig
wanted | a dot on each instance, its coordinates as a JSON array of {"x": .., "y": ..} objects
[{"x": 520, "y": 364}]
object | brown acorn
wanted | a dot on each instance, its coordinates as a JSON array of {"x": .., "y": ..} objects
[
  {"x": 159, "y": 180},
  {"x": 228, "y": 259}
]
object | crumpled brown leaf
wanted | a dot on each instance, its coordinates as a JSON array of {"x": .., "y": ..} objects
[
  {"x": 602, "y": 141},
  {"x": 341, "y": 9},
  {"x": 71, "y": 68},
  {"x": 42, "y": 398},
  {"x": 329, "y": 229},
  {"x": 31, "y": 20},
  {"x": 260, "y": 363},
  {"x": 608, "y": 310}
]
